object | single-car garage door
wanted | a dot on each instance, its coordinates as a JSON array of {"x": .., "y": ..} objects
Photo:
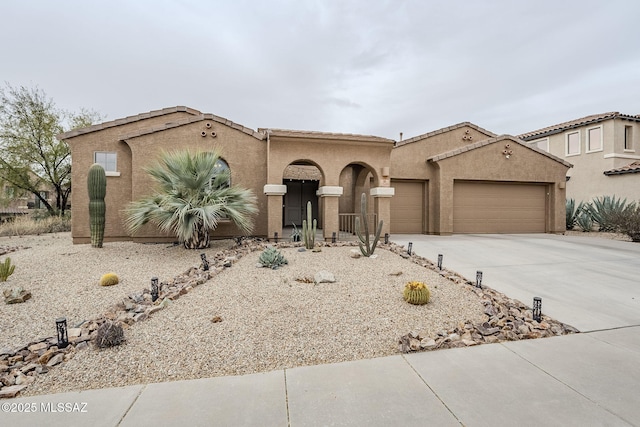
[
  {"x": 407, "y": 207},
  {"x": 488, "y": 207}
]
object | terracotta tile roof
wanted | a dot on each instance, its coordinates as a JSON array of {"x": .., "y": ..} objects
[
  {"x": 130, "y": 119},
  {"x": 490, "y": 141},
  {"x": 201, "y": 117},
  {"x": 324, "y": 135},
  {"x": 595, "y": 118},
  {"x": 444, "y": 130},
  {"x": 630, "y": 168}
]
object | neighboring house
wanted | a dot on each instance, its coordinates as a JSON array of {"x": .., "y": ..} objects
[
  {"x": 459, "y": 179},
  {"x": 16, "y": 202},
  {"x": 604, "y": 150}
]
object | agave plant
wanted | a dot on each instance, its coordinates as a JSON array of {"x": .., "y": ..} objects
[
  {"x": 572, "y": 212},
  {"x": 193, "y": 196},
  {"x": 604, "y": 210}
]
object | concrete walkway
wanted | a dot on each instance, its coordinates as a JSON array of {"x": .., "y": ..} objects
[{"x": 587, "y": 379}]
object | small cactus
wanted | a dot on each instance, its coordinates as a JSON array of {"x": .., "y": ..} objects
[
  {"x": 272, "y": 258},
  {"x": 6, "y": 269},
  {"x": 366, "y": 247},
  {"x": 109, "y": 334},
  {"x": 109, "y": 279},
  {"x": 416, "y": 293},
  {"x": 97, "y": 186},
  {"x": 309, "y": 229}
]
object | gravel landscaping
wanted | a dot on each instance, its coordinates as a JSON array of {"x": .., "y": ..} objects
[{"x": 265, "y": 319}]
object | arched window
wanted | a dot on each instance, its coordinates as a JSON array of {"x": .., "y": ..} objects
[{"x": 222, "y": 167}]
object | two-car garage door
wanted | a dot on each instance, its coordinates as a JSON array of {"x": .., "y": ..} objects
[{"x": 489, "y": 207}]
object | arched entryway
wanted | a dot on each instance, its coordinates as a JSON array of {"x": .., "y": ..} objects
[
  {"x": 355, "y": 179},
  {"x": 302, "y": 179}
]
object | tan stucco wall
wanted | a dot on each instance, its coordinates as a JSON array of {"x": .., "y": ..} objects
[
  {"x": 244, "y": 154},
  {"x": 118, "y": 188},
  {"x": 587, "y": 179}
]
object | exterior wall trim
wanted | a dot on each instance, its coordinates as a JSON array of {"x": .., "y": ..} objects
[
  {"x": 275, "y": 190},
  {"x": 329, "y": 191},
  {"x": 382, "y": 191}
]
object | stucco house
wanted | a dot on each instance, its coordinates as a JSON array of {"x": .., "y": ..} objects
[
  {"x": 604, "y": 150},
  {"x": 461, "y": 179}
]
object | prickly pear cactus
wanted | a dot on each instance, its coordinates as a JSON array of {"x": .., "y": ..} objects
[
  {"x": 416, "y": 293},
  {"x": 97, "y": 186}
]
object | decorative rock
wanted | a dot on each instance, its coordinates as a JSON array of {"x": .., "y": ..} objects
[
  {"x": 82, "y": 345},
  {"x": 11, "y": 391},
  {"x": 428, "y": 344},
  {"x": 55, "y": 360},
  {"x": 16, "y": 295},
  {"x": 216, "y": 319},
  {"x": 324, "y": 276},
  {"x": 42, "y": 369},
  {"x": 37, "y": 347}
]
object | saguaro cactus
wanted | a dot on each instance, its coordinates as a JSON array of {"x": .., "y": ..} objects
[
  {"x": 97, "y": 185},
  {"x": 366, "y": 247}
]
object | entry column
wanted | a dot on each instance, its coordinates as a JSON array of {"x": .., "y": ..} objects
[
  {"x": 274, "y": 194},
  {"x": 330, "y": 209},
  {"x": 382, "y": 205}
]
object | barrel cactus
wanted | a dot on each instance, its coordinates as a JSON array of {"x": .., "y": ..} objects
[
  {"x": 97, "y": 186},
  {"x": 109, "y": 279},
  {"x": 416, "y": 293}
]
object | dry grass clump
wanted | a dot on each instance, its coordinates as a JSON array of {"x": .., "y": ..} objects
[{"x": 32, "y": 225}]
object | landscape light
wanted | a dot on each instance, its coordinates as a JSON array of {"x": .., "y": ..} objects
[
  {"x": 154, "y": 288},
  {"x": 439, "y": 261},
  {"x": 386, "y": 238},
  {"x": 205, "y": 263},
  {"x": 61, "y": 329},
  {"x": 409, "y": 248},
  {"x": 479, "y": 279},
  {"x": 333, "y": 237},
  {"x": 537, "y": 309}
]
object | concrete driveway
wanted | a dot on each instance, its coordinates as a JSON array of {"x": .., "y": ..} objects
[{"x": 589, "y": 283}]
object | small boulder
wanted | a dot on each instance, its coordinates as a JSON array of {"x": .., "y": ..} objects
[{"x": 324, "y": 276}]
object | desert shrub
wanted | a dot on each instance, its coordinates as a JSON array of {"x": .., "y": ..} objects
[
  {"x": 572, "y": 212},
  {"x": 109, "y": 279},
  {"x": 628, "y": 221},
  {"x": 6, "y": 269},
  {"x": 584, "y": 221},
  {"x": 416, "y": 293},
  {"x": 272, "y": 258},
  {"x": 109, "y": 334},
  {"x": 604, "y": 209},
  {"x": 37, "y": 223}
]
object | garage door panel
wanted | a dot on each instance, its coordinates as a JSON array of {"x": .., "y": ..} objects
[
  {"x": 499, "y": 208},
  {"x": 407, "y": 207}
]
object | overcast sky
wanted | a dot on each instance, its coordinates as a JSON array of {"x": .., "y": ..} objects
[{"x": 369, "y": 67}]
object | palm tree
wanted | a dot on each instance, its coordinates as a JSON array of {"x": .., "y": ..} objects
[{"x": 194, "y": 194}]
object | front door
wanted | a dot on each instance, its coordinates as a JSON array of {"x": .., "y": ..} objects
[{"x": 295, "y": 201}]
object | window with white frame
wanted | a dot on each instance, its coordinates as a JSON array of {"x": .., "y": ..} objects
[
  {"x": 106, "y": 159},
  {"x": 628, "y": 138},
  {"x": 594, "y": 139},
  {"x": 573, "y": 144},
  {"x": 542, "y": 144}
]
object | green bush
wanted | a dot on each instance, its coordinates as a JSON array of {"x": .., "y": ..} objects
[
  {"x": 272, "y": 258},
  {"x": 628, "y": 222}
]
